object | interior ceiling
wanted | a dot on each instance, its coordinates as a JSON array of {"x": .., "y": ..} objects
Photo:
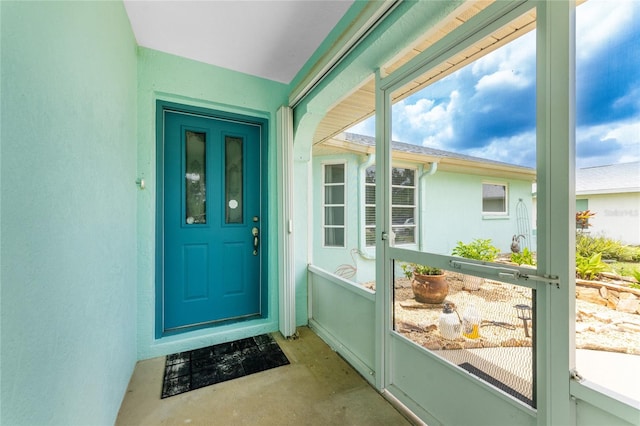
[{"x": 265, "y": 38}]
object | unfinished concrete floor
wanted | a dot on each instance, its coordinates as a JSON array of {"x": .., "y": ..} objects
[{"x": 317, "y": 388}]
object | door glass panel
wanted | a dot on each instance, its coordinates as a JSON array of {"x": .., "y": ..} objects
[
  {"x": 195, "y": 182},
  {"x": 462, "y": 191},
  {"x": 471, "y": 134},
  {"x": 486, "y": 330},
  {"x": 233, "y": 180}
]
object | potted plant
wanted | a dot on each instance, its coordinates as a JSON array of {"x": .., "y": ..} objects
[
  {"x": 429, "y": 284},
  {"x": 478, "y": 249}
]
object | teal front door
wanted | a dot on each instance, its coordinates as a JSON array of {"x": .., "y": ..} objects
[{"x": 210, "y": 248}]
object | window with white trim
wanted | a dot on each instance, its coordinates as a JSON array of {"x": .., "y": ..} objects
[
  {"x": 494, "y": 198},
  {"x": 403, "y": 205},
  {"x": 333, "y": 202}
]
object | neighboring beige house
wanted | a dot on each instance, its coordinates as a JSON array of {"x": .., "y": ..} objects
[{"x": 613, "y": 193}]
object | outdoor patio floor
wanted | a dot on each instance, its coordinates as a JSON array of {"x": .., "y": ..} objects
[{"x": 317, "y": 388}]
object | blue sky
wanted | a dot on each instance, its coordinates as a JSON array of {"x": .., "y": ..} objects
[{"x": 487, "y": 109}]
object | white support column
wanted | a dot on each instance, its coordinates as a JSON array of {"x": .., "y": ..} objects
[
  {"x": 286, "y": 264},
  {"x": 383, "y": 209},
  {"x": 556, "y": 209}
]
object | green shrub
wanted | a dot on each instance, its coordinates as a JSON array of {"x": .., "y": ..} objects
[
  {"x": 478, "y": 249},
  {"x": 589, "y": 268},
  {"x": 526, "y": 257},
  {"x": 410, "y": 268},
  {"x": 587, "y": 246}
]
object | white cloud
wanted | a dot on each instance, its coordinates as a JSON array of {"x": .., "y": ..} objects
[
  {"x": 627, "y": 133},
  {"x": 517, "y": 149},
  {"x": 599, "y": 21},
  {"x": 512, "y": 64},
  {"x": 609, "y": 143},
  {"x": 501, "y": 79},
  {"x": 425, "y": 121}
]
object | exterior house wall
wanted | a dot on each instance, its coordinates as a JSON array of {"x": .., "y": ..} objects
[
  {"x": 331, "y": 258},
  {"x": 167, "y": 77},
  {"x": 453, "y": 211},
  {"x": 449, "y": 210},
  {"x": 68, "y": 211},
  {"x": 617, "y": 216}
]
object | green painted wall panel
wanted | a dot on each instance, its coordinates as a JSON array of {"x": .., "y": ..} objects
[
  {"x": 336, "y": 304},
  {"x": 68, "y": 211},
  {"x": 167, "y": 77}
]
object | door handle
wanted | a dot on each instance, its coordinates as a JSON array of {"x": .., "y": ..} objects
[{"x": 256, "y": 239}]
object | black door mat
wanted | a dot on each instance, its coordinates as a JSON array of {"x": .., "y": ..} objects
[
  {"x": 495, "y": 382},
  {"x": 198, "y": 368}
]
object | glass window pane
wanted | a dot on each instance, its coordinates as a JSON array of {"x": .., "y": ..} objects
[
  {"x": 370, "y": 236},
  {"x": 334, "y": 194},
  {"x": 403, "y": 196},
  {"x": 402, "y": 216},
  {"x": 334, "y": 237},
  {"x": 370, "y": 194},
  {"x": 370, "y": 215},
  {"x": 494, "y": 198},
  {"x": 404, "y": 234},
  {"x": 334, "y": 173},
  {"x": 334, "y": 215},
  {"x": 402, "y": 177},
  {"x": 370, "y": 174},
  {"x": 233, "y": 179},
  {"x": 195, "y": 178}
]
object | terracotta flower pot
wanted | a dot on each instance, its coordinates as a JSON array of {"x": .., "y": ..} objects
[{"x": 430, "y": 288}]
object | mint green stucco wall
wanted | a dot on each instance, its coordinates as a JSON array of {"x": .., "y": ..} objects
[
  {"x": 171, "y": 78},
  {"x": 453, "y": 211},
  {"x": 68, "y": 211},
  {"x": 448, "y": 210}
]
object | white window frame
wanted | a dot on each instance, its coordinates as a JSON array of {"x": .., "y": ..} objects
[
  {"x": 325, "y": 205},
  {"x": 506, "y": 199}
]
